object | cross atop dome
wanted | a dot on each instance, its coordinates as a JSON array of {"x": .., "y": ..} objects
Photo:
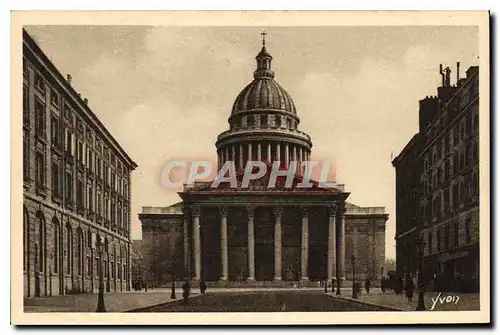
[{"x": 263, "y": 33}]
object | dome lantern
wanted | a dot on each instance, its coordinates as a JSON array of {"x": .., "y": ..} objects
[{"x": 264, "y": 59}]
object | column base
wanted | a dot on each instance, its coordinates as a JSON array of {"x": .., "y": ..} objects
[
  {"x": 223, "y": 279},
  {"x": 250, "y": 278},
  {"x": 277, "y": 278}
]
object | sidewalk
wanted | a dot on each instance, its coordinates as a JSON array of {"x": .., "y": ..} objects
[
  {"x": 114, "y": 302},
  {"x": 446, "y": 302}
]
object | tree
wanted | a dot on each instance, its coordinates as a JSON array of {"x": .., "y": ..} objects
[{"x": 389, "y": 265}]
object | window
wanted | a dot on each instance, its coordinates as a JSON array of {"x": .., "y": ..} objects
[
  {"x": 113, "y": 206},
  {"x": 250, "y": 121},
  {"x": 69, "y": 253},
  {"x": 40, "y": 169},
  {"x": 455, "y": 135},
  {"x": 99, "y": 204},
  {"x": 455, "y": 196},
  {"x": 54, "y": 131},
  {"x": 474, "y": 152},
  {"x": 438, "y": 207},
  {"x": 455, "y": 233},
  {"x": 475, "y": 186},
  {"x": 429, "y": 242},
  {"x": 97, "y": 166},
  {"x": 68, "y": 146},
  {"x": 79, "y": 193},
  {"x": 40, "y": 118},
  {"x": 446, "y": 201},
  {"x": 278, "y": 121},
  {"x": 79, "y": 246},
  {"x": 56, "y": 247},
  {"x": 106, "y": 208},
  {"x": 26, "y": 157},
  {"x": 80, "y": 151},
  {"x": 25, "y": 69},
  {"x": 462, "y": 191},
  {"x": 39, "y": 83},
  {"x": 467, "y": 231},
  {"x": 69, "y": 187},
  {"x": 468, "y": 124},
  {"x": 447, "y": 236},
  {"x": 90, "y": 201},
  {"x": 26, "y": 106},
  {"x": 263, "y": 120},
  {"x": 119, "y": 219},
  {"x": 462, "y": 161},
  {"x": 55, "y": 179},
  {"x": 455, "y": 163},
  {"x": 54, "y": 98},
  {"x": 438, "y": 239},
  {"x": 468, "y": 154},
  {"x": 89, "y": 266}
]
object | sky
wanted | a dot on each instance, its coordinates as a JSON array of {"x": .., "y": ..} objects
[{"x": 166, "y": 92}]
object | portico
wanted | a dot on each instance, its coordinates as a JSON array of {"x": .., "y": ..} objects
[{"x": 272, "y": 237}]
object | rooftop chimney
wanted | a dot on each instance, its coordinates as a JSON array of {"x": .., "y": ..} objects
[
  {"x": 86, "y": 101},
  {"x": 68, "y": 77},
  {"x": 458, "y": 72}
]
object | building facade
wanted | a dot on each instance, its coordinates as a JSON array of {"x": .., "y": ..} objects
[
  {"x": 444, "y": 159},
  {"x": 234, "y": 233},
  {"x": 76, "y": 188}
]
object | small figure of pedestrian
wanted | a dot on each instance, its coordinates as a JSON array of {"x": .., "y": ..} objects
[
  {"x": 203, "y": 287},
  {"x": 410, "y": 287},
  {"x": 186, "y": 288},
  {"x": 383, "y": 284}
]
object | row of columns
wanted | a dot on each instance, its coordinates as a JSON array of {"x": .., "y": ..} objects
[
  {"x": 334, "y": 270},
  {"x": 298, "y": 153}
]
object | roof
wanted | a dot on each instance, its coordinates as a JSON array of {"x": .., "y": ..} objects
[{"x": 263, "y": 94}]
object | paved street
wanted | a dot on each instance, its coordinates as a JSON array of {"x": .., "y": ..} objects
[
  {"x": 265, "y": 301},
  {"x": 246, "y": 300}
]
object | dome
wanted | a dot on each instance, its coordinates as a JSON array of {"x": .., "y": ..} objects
[{"x": 263, "y": 93}]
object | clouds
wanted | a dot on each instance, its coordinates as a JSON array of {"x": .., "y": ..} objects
[{"x": 167, "y": 92}]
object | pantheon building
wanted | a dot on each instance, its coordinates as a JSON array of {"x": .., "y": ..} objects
[{"x": 258, "y": 235}]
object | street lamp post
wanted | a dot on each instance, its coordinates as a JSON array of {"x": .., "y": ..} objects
[
  {"x": 420, "y": 250},
  {"x": 354, "y": 291},
  {"x": 172, "y": 296},
  {"x": 100, "y": 299}
]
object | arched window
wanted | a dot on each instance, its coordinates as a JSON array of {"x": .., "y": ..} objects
[
  {"x": 41, "y": 242},
  {"x": 69, "y": 251},
  {"x": 79, "y": 252},
  {"x": 26, "y": 238},
  {"x": 55, "y": 225}
]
